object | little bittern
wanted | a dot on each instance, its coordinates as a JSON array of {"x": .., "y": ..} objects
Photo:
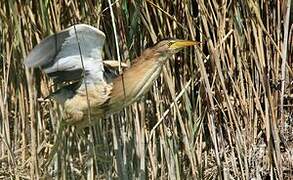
[{"x": 73, "y": 59}]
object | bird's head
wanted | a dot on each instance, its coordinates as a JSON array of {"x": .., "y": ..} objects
[{"x": 171, "y": 46}]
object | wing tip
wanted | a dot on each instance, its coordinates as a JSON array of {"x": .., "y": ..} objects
[{"x": 28, "y": 62}]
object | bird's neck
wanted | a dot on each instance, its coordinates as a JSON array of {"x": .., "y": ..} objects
[{"x": 136, "y": 80}]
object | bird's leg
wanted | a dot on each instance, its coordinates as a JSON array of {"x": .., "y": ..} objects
[
  {"x": 73, "y": 116},
  {"x": 67, "y": 119},
  {"x": 56, "y": 145}
]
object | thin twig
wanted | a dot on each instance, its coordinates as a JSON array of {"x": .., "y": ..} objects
[
  {"x": 168, "y": 110},
  {"x": 284, "y": 59}
]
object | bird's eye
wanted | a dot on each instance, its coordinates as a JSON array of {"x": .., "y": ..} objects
[{"x": 170, "y": 43}]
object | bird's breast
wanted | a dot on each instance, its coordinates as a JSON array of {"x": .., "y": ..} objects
[{"x": 94, "y": 96}]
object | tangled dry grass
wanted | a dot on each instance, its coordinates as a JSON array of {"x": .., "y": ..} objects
[{"x": 222, "y": 110}]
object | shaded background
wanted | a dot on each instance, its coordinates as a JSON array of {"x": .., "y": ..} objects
[{"x": 219, "y": 110}]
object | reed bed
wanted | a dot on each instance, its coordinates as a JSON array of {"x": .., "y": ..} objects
[{"x": 221, "y": 110}]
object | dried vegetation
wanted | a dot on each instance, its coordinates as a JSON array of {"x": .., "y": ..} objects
[{"x": 222, "y": 110}]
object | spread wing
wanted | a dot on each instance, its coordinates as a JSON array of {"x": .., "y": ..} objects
[{"x": 63, "y": 55}]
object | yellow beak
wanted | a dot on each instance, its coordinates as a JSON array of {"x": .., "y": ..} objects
[{"x": 183, "y": 43}]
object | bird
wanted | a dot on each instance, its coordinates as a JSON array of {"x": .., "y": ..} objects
[{"x": 86, "y": 83}]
